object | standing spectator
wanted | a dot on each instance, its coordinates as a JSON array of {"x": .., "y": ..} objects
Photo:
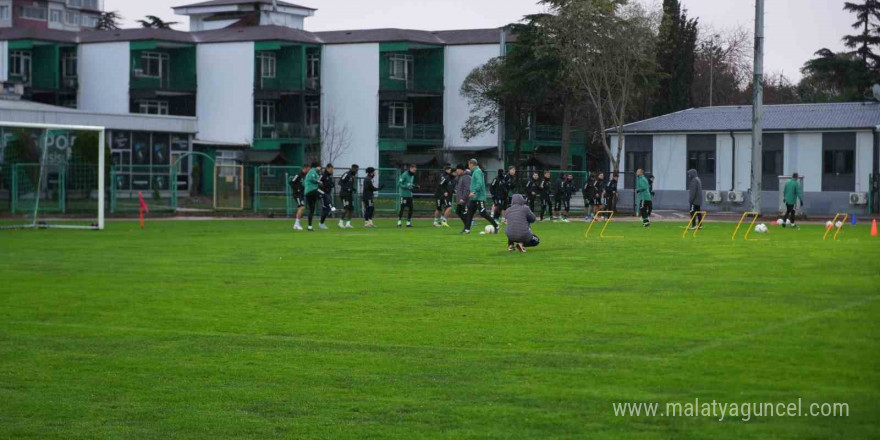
[{"x": 695, "y": 196}]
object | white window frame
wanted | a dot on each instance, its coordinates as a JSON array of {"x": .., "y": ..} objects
[
  {"x": 313, "y": 113},
  {"x": 312, "y": 63},
  {"x": 69, "y": 70},
  {"x": 393, "y": 108},
  {"x": 268, "y": 64},
  {"x": 89, "y": 21},
  {"x": 152, "y": 107},
  {"x": 160, "y": 58},
  {"x": 74, "y": 3},
  {"x": 72, "y": 18},
  {"x": 4, "y": 12},
  {"x": 40, "y": 14},
  {"x": 401, "y": 67},
  {"x": 25, "y": 66},
  {"x": 56, "y": 16},
  {"x": 266, "y": 113}
]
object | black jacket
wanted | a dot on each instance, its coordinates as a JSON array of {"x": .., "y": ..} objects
[
  {"x": 327, "y": 183},
  {"x": 369, "y": 189},
  {"x": 497, "y": 187},
  {"x": 348, "y": 183},
  {"x": 532, "y": 189},
  {"x": 446, "y": 188},
  {"x": 545, "y": 187},
  {"x": 589, "y": 189},
  {"x": 296, "y": 184},
  {"x": 611, "y": 189}
]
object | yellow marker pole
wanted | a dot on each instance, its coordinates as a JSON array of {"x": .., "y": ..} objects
[
  {"x": 691, "y": 222},
  {"x": 751, "y": 225},
  {"x": 833, "y": 222},
  {"x": 607, "y": 222}
]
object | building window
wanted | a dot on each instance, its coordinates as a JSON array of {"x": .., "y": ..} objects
[
  {"x": 313, "y": 66},
  {"x": 74, "y": 3},
  {"x": 839, "y": 162},
  {"x": 55, "y": 16},
  {"x": 401, "y": 67},
  {"x": 397, "y": 115},
  {"x": 313, "y": 113},
  {"x": 154, "y": 64},
  {"x": 4, "y": 12},
  {"x": 266, "y": 113},
  {"x": 152, "y": 107},
  {"x": 89, "y": 21},
  {"x": 32, "y": 13},
  {"x": 68, "y": 65},
  {"x": 71, "y": 18},
  {"x": 20, "y": 64},
  {"x": 702, "y": 161},
  {"x": 268, "y": 64}
]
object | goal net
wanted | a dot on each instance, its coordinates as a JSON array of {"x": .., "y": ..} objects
[{"x": 51, "y": 176}]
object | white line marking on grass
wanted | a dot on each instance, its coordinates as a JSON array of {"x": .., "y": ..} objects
[
  {"x": 771, "y": 328},
  {"x": 295, "y": 339}
]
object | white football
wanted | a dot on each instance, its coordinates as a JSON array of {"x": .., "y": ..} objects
[
  {"x": 761, "y": 228},
  {"x": 780, "y": 222},
  {"x": 489, "y": 229},
  {"x": 829, "y": 225},
  {"x": 787, "y": 222},
  {"x": 838, "y": 225}
]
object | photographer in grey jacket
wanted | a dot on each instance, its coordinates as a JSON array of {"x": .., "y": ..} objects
[
  {"x": 519, "y": 230},
  {"x": 695, "y": 195}
]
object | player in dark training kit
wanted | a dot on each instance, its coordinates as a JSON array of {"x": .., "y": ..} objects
[
  {"x": 498, "y": 188},
  {"x": 545, "y": 187},
  {"x": 347, "y": 190},
  {"x": 299, "y": 195},
  {"x": 369, "y": 193},
  {"x": 327, "y": 185},
  {"x": 589, "y": 191},
  {"x": 443, "y": 197},
  {"x": 532, "y": 190}
]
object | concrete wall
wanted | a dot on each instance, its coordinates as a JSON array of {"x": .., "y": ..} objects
[
  {"x": 225, "y": 102},
  {"x": 6, "y": 22},
  {"x": 864, "y": 160},
  {"x": 4, "y": 61},
  {"x": 670, "y": 162},
  {"x": 103, "y": 70},
  {"x": 803, "y": 155},
  {"x": 350, "y": 98},
  {"x": 460, "y": 61}
]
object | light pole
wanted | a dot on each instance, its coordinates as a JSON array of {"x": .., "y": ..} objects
[{"x": 712, "y": 69}]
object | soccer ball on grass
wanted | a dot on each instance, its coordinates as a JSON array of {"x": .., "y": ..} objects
[
  {"x": 829, "y": 225},
  {"x": 761, "y": 228},
  {"x": 838, "y": 225},
  {"x": 780, "y": 222},
  {"x": 489, "y": 230}
]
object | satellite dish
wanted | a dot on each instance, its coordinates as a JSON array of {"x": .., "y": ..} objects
[{"x": 876, "y": 90}]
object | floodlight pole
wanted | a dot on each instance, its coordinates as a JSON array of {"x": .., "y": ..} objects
[{"x": 758, "y": 110}]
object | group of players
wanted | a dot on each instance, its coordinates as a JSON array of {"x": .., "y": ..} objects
[{"x": 462, "y": 189}]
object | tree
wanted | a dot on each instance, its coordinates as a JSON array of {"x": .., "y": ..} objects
[
  {"x": 835, "y": 77},
  {"x": 722, "y": 67},
  {"x": 863, "y": 42},
  {"x": 154, "y": 22},
  {"x": 506, "y": 89},
  {"x": 611, "y": 48},
  {"x": 676, "y": 46},
  {"x": 109, "y": 21},
  {"x": 335, "y": 139}
]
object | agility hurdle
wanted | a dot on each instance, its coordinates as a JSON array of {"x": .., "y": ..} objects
[
  {"x": 751, "y": 227},
  {"x": 698, "y": 224},
  {"x": 834, "y": 222},
  {"x": 602, "y": 232}
]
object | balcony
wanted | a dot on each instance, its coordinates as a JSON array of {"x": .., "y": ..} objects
[
  {"x": 415, "y": 132},
  {"x": 70, "y": 83},
  {"x": 286, "y": 130},
  {"x": 547, "y": 133}
]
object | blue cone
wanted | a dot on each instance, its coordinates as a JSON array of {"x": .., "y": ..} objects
[{"x": 854, "y": 219}]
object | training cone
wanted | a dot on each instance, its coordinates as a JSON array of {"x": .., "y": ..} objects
[
  {"x": 874, "y": 228},
  {"x": 854, "y": 220}
]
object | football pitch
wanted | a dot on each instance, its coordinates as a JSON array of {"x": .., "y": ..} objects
[{"x": 246, "y": 329}]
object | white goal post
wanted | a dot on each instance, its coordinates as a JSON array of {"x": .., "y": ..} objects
[{"x": 41, "y": 182}]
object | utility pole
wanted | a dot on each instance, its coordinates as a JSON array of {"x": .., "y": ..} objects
[
  {"x": 758, "y": 110},
  {"x": 501, "y": 122},
  {"x": 715, "y": 46}
]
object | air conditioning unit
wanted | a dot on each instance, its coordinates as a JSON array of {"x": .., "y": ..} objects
[
  {"x": 138, "y": 73},
  {"x": 858, "y": 198},
  {"x": 713, "y": 196},
  {"x": 735, "y": 196}
]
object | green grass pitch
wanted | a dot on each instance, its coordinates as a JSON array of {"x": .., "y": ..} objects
[{"x": 246, "y": 329}]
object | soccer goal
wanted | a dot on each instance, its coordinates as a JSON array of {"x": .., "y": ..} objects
[{"x": 51, "y": 176}]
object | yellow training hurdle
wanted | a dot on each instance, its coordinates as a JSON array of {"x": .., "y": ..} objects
[
  {"x": 698, "y": 224},
  {"x": 607, "y": 221},
  {"x": 834, "y": 222},
  {"x": 751, "y": 227}
]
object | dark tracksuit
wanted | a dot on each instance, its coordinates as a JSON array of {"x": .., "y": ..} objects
[
  {"x": 500, "y": 192},
  {"x": 564, "y": 190},
  {"x": 643, "y": 195},
  {"x": 462, "y": 188},
  {"x": 444, "y": 193},
  {"x": 695, "y": 195},
  {"x": 312, "y": 189},
  {"x": 297, "y": 189},
  {"x": 545, "y": 186},
  {"x": 327, "y": 185},
  {"x": 347, "y": 190},
  {"x": 589, "y": 191},
  {"x": 532, "y": 193},
  {"x": 610, "y": 195},
  {"x": 368, "y": 198}
]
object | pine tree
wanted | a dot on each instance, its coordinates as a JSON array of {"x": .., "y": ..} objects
[
  {"x": 870, "y": 36},
  {"x": 675, "y": 59}
]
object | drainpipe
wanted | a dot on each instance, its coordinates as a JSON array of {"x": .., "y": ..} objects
[{"x": 733, "y": 162}]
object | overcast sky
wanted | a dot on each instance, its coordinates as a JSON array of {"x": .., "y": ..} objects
[{"x": 795, "y": 29}]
